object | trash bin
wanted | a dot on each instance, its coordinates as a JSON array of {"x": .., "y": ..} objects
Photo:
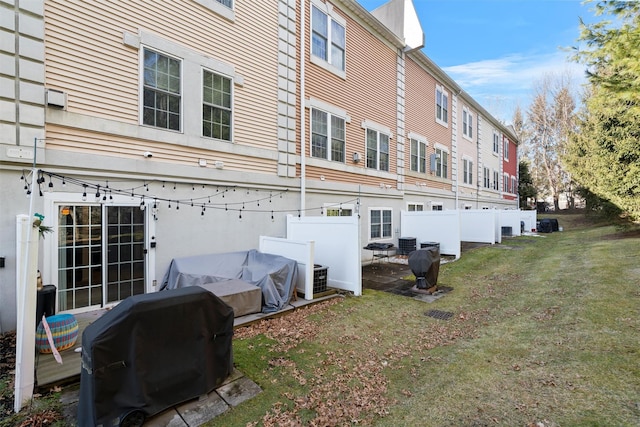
[
  {"x": 45, "y": 303},
  {"x": 151, "y": 352},
  {"x": 425, "y": 265},
  {"x": 545, "y": 225}
]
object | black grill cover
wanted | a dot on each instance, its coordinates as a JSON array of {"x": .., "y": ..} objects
[
  {"x": 152, "y": 352},
  {"x": 425, "y": 265}
]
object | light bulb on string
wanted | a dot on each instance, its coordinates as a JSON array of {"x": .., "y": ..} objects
[
  {"x": 98, "y": 192},
  {"x": 177, "y": 205},
  {"x": 84, "y": 194},
  {"x": 272, "y": 219},
  {"x": 50, "y": 184}
]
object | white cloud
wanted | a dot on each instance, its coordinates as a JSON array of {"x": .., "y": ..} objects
[{"x": 500, "y": 84}]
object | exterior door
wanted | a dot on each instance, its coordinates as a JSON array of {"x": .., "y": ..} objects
[{"x": 101, "y": 255}]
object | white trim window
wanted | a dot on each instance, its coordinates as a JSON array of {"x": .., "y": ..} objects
[
  {"x": 162, "y": 90},
  {"x": 496, "y": 142},
  {"x": 514, "y": 185},
  {"x": 436, "y": 206},
  {"x": 377, "y": 150},
  {"x": 505, "y": 183},
  {"x": 415, "y": 207},
  {"x": 496, "y": 180},
  {"x": 333, "y": 209},
  {"x": 487, "y": 178},
  {"x": 216, "y": 106},
  {"x": 506, "y": 150},
  {"x": 328, "y": 37},
  {"x": 467, "y": 171},
  {"x": 441, "y": 162},
  {"x": 467, "y": 123},
  {"x": 442, "y": 106},
  {"x": 228, "y": 3},
  {"x": 418, "y": 155},
  {"x": 327, "y": 136},
  {"x": 380, "y": 223}
]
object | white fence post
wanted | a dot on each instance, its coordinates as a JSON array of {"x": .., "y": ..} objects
[{"x": 26, "y": 295}]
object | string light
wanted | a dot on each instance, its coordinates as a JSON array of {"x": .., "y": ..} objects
[{"x": 84, "y": 194}]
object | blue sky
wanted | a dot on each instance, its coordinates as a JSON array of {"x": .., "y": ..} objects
[{"x": 497, "y": 49}]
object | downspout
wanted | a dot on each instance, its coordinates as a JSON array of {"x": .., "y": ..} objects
[{"x": 303, "y": 161}]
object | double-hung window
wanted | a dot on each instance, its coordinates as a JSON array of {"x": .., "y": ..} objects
[
  {"x": 505, "y": 183},
  {"x": 415, "y": 207},
  {"x": 467, "y": 123},
  {"x": 506, "y": 149},
  {"x": 442, "y": 163},
  {"x": 442, "y": 106},
  {"x": 327, "y": 136},
  {"x": 380, "y": 223},
  {"x": 377, "y": 150},
  {"x": 487, "y": 178},
  {"x": 162, "y": 87},
  {"x": 328, "y": 38},
  {"x": 467, "y": 176},
  {"x": 496, "y": 142},
  {"x": 496, "y": 180},
  {"x": 418, "y": 155},
  {"x": 514, "y": 185},
  {"x": 216, "y": 106}
]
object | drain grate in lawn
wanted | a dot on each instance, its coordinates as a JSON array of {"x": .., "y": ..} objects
[{"x": 439, "y": 314}]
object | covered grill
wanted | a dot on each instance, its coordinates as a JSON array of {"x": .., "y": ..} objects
[
  {"x": 152, "y": 352},
  {"x": 425, "y": 265}
]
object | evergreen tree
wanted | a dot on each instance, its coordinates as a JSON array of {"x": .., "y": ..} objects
[
  {"x": 526, "y": 190},
  {"x": 604, "y": 153}
]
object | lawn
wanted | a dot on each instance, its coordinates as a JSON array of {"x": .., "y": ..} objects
[{"x": 545, "y": 331}]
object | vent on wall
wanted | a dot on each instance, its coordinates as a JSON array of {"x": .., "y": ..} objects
[{"x": 56, "y": 98}]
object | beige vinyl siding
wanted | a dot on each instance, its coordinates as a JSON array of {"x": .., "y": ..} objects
[
  {"x": 367, "y": 93},
  {"x": 314, "y": 173},
  {"x": 87, "y": 59},
  {"x": 420, "y": 118},
  {"x": 72, "y": 139}
]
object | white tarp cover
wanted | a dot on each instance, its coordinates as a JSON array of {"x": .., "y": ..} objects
[{"x": 275, "y": 275}]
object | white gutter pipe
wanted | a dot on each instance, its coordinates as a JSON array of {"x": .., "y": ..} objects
[{"x": 303, "y": 155}]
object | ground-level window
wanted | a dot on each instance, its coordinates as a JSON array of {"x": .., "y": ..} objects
[
  {"x": 415, "y": 207},
  {"x": 436, "y": 206},
  {"x": 380, "y": 221},
  {"x": 338, "y": 210}
]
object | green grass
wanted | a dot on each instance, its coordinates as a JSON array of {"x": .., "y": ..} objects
[{"x": 545, "y": 329}]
